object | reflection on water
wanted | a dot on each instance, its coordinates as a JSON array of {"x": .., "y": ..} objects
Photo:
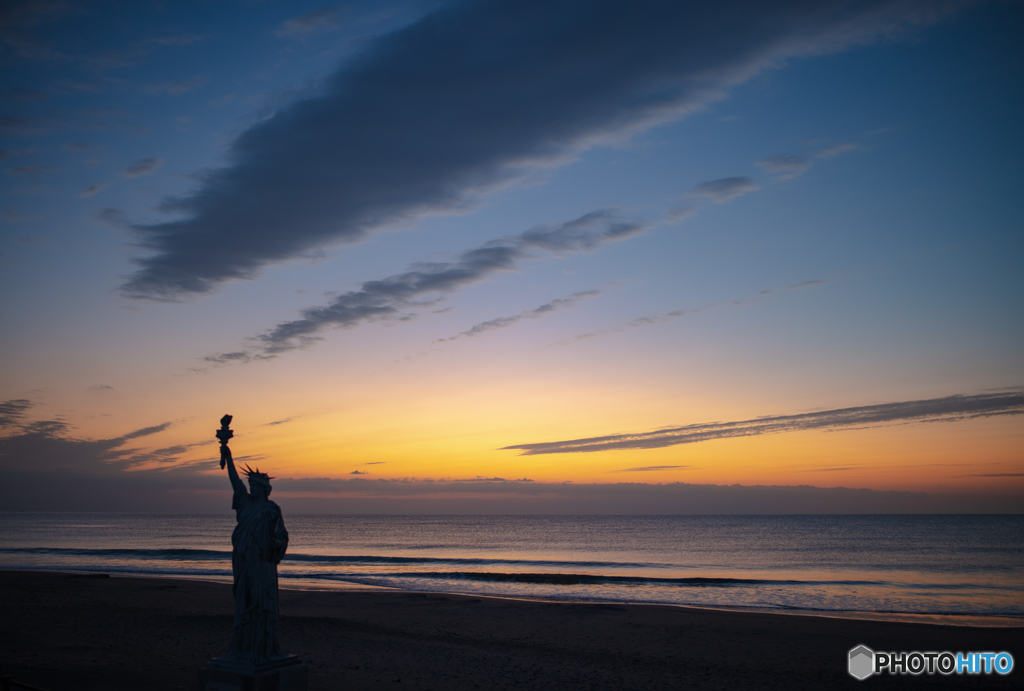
[{"x": 914, "y": 564}]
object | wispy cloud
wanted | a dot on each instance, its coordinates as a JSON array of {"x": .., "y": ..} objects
[
  {"x": 650, "y": 320},
  {"x": 89, "y": 191},
  {"x": 994, "y": 475},
  {"x": 784, "y": 166},
  {"x": 392, "y": 297},
  {"x": 838, "y": 150},
  {"x": 680, "y": 214},
  {"x": 946, "y": 409},
  {"x": 311, "y": 23},
  {"x": 668, "y": 316},
  {"x": 44, "y": 446},
  {"x": 168, "y": 456},
  {"x": 143, "y": 166},
  {"x": 650, "y": 468},
  {"x": 438, "y": 113},
  {"x": 146, "y": 431},
  {"x": 593, "y": 334},
  {"x": 13, "y": 410},
  {"x": 33, "y": 169},
  {"x": 724, "y": 189},
  {"x": 278, "y": 422},
  {"x": 359, "y": 20},
  {"x": 805, "y": 284},
  {"x": 502, "y": 322},
  {"x": 228, "y": 358}
]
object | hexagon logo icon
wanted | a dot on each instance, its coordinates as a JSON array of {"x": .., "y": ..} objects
[{"x": 862, "y": 662}]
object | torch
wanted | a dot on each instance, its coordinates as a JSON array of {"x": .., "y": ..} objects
[{"x": 224, "y": 434}]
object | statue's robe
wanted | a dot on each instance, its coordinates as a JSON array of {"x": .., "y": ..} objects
[{"x": 259, "y": 542}]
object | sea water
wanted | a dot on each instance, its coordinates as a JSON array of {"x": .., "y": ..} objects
[{"x": 938, "y": 565}]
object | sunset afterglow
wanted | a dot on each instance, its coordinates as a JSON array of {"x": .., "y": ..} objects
[{"x": 419, "y": 255}]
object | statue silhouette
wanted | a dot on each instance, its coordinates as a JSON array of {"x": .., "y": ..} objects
[{"x": 258, "y": 544}]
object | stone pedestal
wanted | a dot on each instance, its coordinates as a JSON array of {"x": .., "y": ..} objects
[{"x": 286, "y": 674}]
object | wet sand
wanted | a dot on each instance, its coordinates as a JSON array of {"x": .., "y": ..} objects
[{"x": 66, "y": 631}]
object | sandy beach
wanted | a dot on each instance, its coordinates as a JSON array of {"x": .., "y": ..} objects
[{"x": 70, "y": 631}]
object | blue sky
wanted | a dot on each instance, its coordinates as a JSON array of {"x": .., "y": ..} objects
[{"x": 599, "y": 218}]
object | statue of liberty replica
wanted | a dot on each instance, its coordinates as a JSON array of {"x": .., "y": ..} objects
[{"x": 254, "y": 659}]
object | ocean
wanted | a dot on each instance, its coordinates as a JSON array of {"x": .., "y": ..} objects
[{"x": 907, "y": 564}]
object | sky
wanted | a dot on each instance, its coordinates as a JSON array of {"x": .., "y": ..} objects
[{"x": 513, "y": 257}]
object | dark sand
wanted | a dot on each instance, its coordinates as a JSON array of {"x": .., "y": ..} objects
[{"x": 65, "y": 631}]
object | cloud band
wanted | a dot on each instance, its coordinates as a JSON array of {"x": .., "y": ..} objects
[
  {"x": 930, "y": 410},
  {"x": 469, "y": 98}
]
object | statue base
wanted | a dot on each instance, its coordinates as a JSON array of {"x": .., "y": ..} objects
[{"x": 288, "y": 673}]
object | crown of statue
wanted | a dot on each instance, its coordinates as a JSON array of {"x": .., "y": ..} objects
[{"x": 256, "y": 476}]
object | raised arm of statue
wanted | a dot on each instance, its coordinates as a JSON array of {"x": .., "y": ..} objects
[
  {"x": 224, "y": 434},
  {"x": 236, "y": 482}
]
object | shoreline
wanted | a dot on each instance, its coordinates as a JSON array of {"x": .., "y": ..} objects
[
  {"x": 311, "y": 585},
  {"x": 86, "y": 631}
]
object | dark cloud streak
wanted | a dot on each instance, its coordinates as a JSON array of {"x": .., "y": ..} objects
[
  {"x": 470, "y": 98},
  {"x": 537, "y": 312},
  {"x": 277, "y": 422},
  {"x": 388, "y": 298},
  {"x": 43, "y": 446},
  {"x": 143, "y": 166},
  {"x": 930, "y": 410},
  {"x": 724, "y": 189},
  {"x": 13, "y": 410}
]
